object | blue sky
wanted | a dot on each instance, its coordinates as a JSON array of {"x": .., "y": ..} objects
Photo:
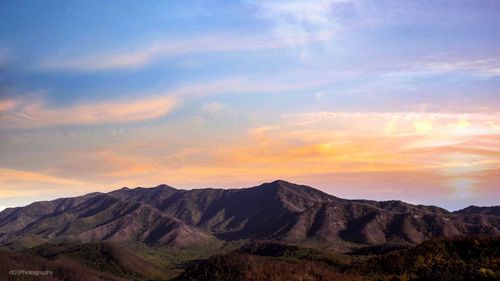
[{"x": 363, "y": 99}]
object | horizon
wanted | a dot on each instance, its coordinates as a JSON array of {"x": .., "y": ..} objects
[
  {"x": 2, "y": 208},
  {"x": 382, "y": 101}
]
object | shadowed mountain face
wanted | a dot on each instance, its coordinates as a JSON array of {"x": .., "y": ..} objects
[
  {"x": 475, "y": 210},
  {"x": 273, "y": 211},
  {"x": 95, "y": 217}
]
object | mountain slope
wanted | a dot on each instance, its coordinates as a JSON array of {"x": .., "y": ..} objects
[
  {"x": 97, "y": 218},
  {"x": 278, "y": 210},
  {"x": 475, "y": 210}
]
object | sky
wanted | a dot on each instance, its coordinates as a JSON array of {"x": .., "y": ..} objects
[{"x": 362, "y": 99}]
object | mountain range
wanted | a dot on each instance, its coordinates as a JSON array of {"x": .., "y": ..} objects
[{"x": 277, "y": 211}]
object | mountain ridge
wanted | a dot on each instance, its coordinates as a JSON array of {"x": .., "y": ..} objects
[{"x": 278, "y": 210}]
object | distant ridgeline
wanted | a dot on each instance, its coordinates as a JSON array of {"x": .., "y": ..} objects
[{"x": 279, "y": 211}]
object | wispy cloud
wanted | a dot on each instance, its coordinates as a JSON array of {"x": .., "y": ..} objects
[
  {"x": 155, "y": 51},
  {"x": 375, "y": 154},
  {"x": 449, "y": 146},
  {"x": 27, "y": 184},
  {"x": 35, "y": 113},
  {"x": 399, "y": 123},
  {"x": 21, "y": 187},
  {"x": 117, "y": 59},
  {"x": 480, "y": 67},
  {"x": 11, "y": 175}
]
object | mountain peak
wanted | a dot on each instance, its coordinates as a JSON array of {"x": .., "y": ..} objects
[
  {"x": 163, "y": 186},
  {"x": 476, "y": 210},
  {"x": 280, "y": 181},
  {"x": 472, "y": 207},
  {"x": 287, "y": 189},
  {"x": 277, "y": 184},
  {"x": 283, "y": 183}
]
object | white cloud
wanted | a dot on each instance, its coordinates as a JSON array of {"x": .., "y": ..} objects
[
  {"x": 295, "y": 20},
  {"x": 481, "y": 68},
  {"x": 485, "y": 68}
]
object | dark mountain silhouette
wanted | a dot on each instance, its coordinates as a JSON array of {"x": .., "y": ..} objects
[
  {"x": 279, "y": 211},
  {"x": 95, "y": 217},
  {"x": 475, "y": 210}
]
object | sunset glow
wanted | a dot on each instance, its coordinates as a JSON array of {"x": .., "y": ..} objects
[{"x": 385, "y": 100}]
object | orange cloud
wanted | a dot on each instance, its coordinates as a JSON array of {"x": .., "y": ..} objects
[
  {"x": 24, "y": 183},
  {"x": 325, "y": 145},
  {"x": 345, "y": 153},
  {"x": 358, "y": 143},
  {"x": 10, "y": 175},
  {"x": 37, "y": 114},
  {"x": 7, "y": 105}
]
